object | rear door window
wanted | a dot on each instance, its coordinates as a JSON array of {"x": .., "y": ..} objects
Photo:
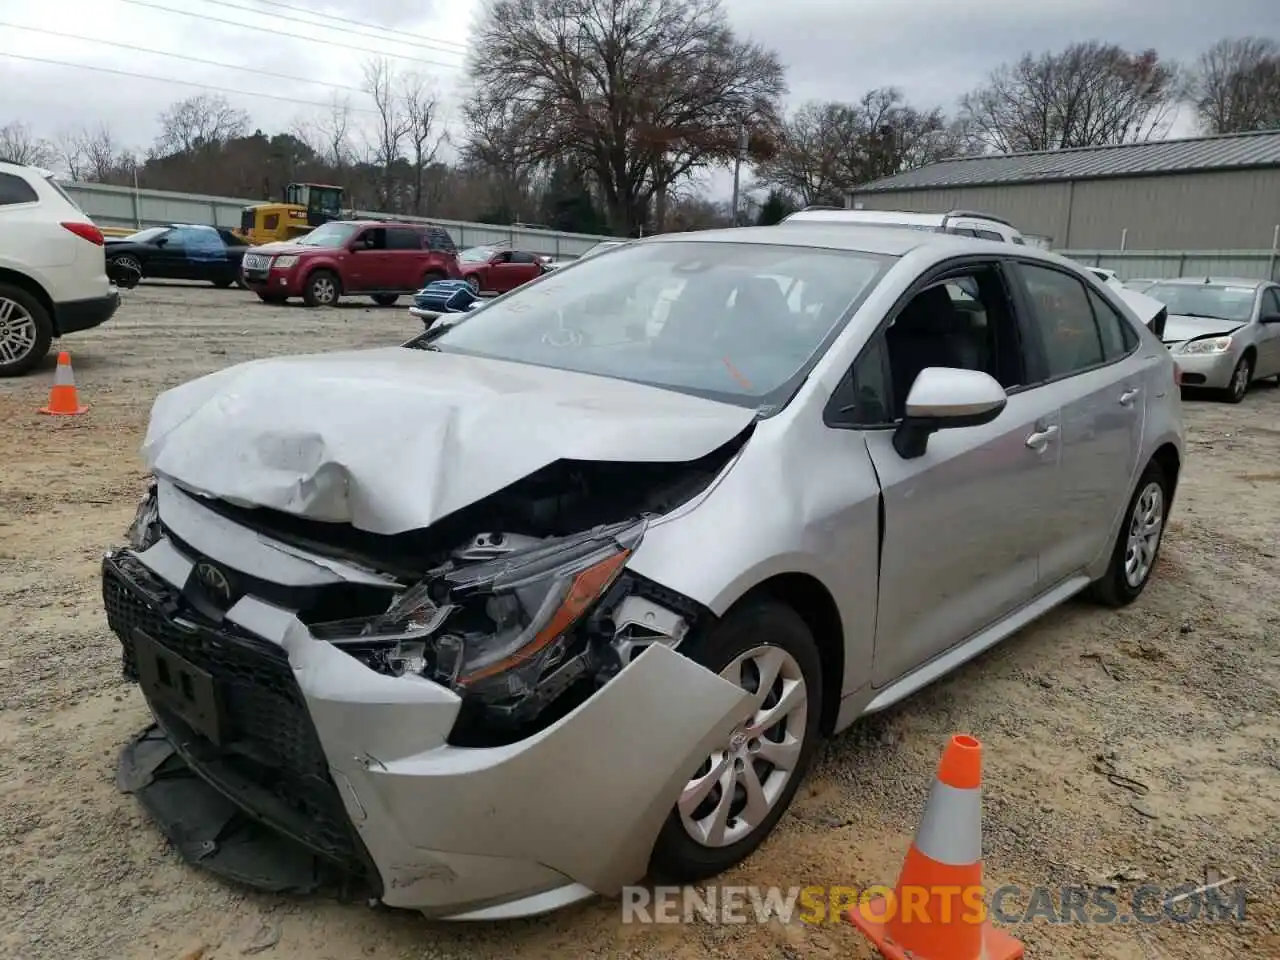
[
  {"x": 14, "y": 189},
  {"x": 403, "y": 238}
]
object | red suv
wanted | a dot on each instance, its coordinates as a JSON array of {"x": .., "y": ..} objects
[{"x": 347, "y": 257}]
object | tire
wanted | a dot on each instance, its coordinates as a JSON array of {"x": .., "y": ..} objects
[
  {"x": 1241, "y": 377},
  {"x": 322, "y": 289},
  {"x": 385, "y": 299},
  {"x": 1116, "y": 588},
  {"x": 222, "y": 284},
  {"x": 474, "y": 283},
  {"x": 677, "y": 855},
  {"x": 431, "y": 276},
  {"x": 271, "y": 298},
  {"x": 129, "y": 261},
  {"x": 26, "y": 331}
]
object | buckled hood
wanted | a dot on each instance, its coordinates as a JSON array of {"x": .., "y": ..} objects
[{"x": 393, "y": 439}]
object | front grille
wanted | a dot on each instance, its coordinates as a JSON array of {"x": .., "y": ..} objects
[
  {"x": 270, "y": 762},
  {"x": 256, "y": 265}
]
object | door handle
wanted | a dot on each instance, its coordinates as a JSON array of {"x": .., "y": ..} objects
[
  {"x": 1127, "y": 398},
  {"x": 1040, "y": 439}
]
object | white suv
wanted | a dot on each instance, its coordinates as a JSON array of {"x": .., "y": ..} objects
[
  {"x": 966, "y": 223},
  {"x": 53, "y": 276}
]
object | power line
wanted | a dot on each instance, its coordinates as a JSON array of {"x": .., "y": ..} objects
[
  {"x": 174, "y": 80},
  {"x": 290, "y": 36},
  {"x": 180, "y": 56},
  {"x": 417, "y": 39}
]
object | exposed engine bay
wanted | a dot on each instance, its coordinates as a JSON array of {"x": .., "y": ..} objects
[{"x": 519, "y": 602}]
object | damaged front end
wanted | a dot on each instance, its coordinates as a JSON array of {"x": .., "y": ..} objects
[{"x": 362, "y": 696}]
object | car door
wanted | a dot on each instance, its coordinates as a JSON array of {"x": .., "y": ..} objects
[
  {"x": 523, "y": 267},
  {"x": 1097, "y": 367},
  {"x": 167, "y": 258},
  {"x": 370, "y": 265},
  {"x": 405, "y": 258},
  {"x": 497, "y": 275},
  {"x": 1269, "y": 335},
  {"x": 206, "y": 254},
  {"x": 960, "y": 538}
]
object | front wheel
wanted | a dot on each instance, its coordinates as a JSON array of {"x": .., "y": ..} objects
[
  {"x": 385, "y": 299},
  {"x": 26, "y": 331},
  {"x": 272, "y": 298},
  {"x": 1240, "y": 379},
  {"x": 474, "y": 283},
  {"x": 1138, "y": 543},
  {"x": 321, "y": 289},
  {"x": 739, "y": 793}
]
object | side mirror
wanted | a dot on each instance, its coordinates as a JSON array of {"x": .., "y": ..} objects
[
  {"x": 944, "y": 398},
  {"x": 161, "y": 241}
]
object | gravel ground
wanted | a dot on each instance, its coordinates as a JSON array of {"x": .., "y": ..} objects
[{"x": 1181, "y": 692}]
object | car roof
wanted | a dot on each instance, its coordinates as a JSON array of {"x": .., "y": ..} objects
[
  {"x": 1216, "y": 281},
  {"x": 854, "y": 238}
]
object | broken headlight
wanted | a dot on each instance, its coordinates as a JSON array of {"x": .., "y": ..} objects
[
  {"x": 145, "y": 528},
  {"x": 512, "y": 616}
]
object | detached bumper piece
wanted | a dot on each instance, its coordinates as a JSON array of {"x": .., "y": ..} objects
[
  {"x": 208, "y": 830},
  {"x": 233, "y": 771}
]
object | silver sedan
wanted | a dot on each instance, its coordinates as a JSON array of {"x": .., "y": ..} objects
[
  {"x": 567, "y": 591},
  {"x": 1223, "y": 333}
]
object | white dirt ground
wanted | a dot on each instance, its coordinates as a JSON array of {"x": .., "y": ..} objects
[{"x": 1182, "y": 690}]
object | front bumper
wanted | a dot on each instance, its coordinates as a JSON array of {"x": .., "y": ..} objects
[
  {"x": 355, "y": 769},
  {"x": 73, "y": 316},
  {"x": 1211, "y": 370},
  {"x": 280, "y": 283}
]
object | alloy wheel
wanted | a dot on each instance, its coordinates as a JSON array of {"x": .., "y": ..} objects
[
  {"x": 18, "y": 333},
  {"x": 324, "y": 290},
  {"x": 1145, "y": 526},
  {"x": 737, "y": 787},
  {"x": 1240, "y": 378}
]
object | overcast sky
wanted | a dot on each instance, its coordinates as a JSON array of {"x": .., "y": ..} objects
[{"x": 935, "y": 50}]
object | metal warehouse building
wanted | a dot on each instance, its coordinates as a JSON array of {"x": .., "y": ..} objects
[{"x": 1204, "y": 193}]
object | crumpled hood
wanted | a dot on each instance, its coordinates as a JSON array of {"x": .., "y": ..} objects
[
  {"x": 1145, "y": 307},
  {"x": 1180, "y": 328},
  {"x": 393, "y": 439}
]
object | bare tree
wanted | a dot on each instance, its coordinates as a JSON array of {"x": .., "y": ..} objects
[
  {"x": 1089, "y": 94},
  {"x": 103, "y": 159},
  {"x": 826, "y": 149},
  {"x": 392, "y": 126},
  {"x": 422, "y": 108},
  {"x": 639, "y": 92},
  {"x": 69, "y": 145},
  {"x": 1235, "y": 85},
  {"x": 19, "y": 145},
  {"x": 329, "y": 133},
  {"x": 199, "y": 121}
]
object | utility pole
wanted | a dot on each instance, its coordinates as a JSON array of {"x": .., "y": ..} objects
[{"x": 737, "y": 168}]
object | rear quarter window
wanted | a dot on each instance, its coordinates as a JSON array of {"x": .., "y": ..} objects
[{"x": 14, "y": 189}]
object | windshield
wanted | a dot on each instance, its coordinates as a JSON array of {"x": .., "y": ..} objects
[
  {"x": 736, "y": 322},
  {"x": 329, "y": 235},
  {"x": 1219, "y": 301},
  {"x": 147, "y": 235},
  {"x": 476, "y": 255}
]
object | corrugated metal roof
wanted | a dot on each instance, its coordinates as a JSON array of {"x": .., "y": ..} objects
[{"x": 1229, "y": 151}]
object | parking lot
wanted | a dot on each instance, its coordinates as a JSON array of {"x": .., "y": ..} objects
[{"x": 1179, "y": 693}]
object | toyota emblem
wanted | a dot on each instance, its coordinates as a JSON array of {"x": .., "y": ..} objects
[{"x": 215, "y": 582}]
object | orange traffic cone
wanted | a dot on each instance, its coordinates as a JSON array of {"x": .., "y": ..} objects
[
  {"x": 63, "y": 399},
  {"x": 937, "y": 911}
]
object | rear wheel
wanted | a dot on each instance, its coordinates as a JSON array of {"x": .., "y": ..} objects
[
  {"x": 385, "y": 299},
  {"x": 740, "y": 792},
  {"x": 321, "y": 289},
  {"x": 26, "y": 331},
  {"x": 432, "y": 276},
  {"x": 1138, "y": 541},
  {"x": 272, "y": 298}
]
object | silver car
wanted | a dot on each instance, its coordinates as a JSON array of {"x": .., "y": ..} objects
[
  {"x": 551, "y": 597},
  {"x": 1224, "y": 334}
]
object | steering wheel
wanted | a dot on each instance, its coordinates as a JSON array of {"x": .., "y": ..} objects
[{"x": 563, "y": 337}]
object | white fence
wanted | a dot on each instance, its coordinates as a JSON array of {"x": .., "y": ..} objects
[
  {"x": 1161, "y": 264},
  {"x": 111, "y": 206}
]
